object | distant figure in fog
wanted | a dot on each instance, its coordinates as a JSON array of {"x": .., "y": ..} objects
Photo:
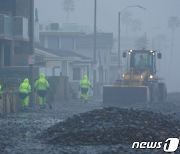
[
  {"x": 41, "y": 85},
  {"x": 143, "y": 63},
  {"x": 84, "y": 86},
  {"x": 24, "y": 90}
]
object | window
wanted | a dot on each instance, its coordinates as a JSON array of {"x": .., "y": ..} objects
[
  {"x": 141, "y": 60},
  {"x": 76, "y": 74},
  {"x": 53, "y": 42},
  {"x": 67, "y": 43},
  {"x": 57, "y": 71}
]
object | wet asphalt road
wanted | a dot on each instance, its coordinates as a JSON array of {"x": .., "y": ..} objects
[{"x": 18, "y": 130}]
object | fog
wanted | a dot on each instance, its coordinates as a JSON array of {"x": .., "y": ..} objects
[{"x": 154, "y": 23}]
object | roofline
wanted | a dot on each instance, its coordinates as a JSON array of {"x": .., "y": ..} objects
[
  {"x": 62, "y": 33},
  {"x": 61, "y": 58},
  {"x": 55, "y": 52},
  {"x": 42, "y": 51},
  {"x": 50, "y": 32}
]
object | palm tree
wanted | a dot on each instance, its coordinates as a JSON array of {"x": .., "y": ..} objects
[
  {"x": 127, "y": 17},
  {"x": 68, "y": 6},
  {"x": 173, "y": 23},
  {"x": 162, "y": 45},
  {"x": 136, "y": 26},
  {"x": 141, "y": 42}
]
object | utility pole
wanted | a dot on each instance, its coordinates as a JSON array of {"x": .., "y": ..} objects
[
  {"x": 94, "y": 60},
  {"x": 119, "y": 41},
  {"x": 31, "y": 52}
]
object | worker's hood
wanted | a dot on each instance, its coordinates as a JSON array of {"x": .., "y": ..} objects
[
  {"x": 85, "y": 77},
  {"x": 26, "y": 80},
  {"x": 42, "y": 76}
]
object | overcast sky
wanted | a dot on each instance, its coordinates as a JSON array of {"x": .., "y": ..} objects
[{"x": 156, "y": 15}]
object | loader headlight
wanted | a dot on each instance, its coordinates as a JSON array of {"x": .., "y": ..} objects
[
  {"x": 130, "y": 51},
  {"x": 123, "y": 75},
  {"x": 151, "y": 76},
  {"x": 142, "y": 76}
]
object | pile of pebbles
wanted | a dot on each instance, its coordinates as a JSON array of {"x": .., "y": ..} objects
[{"x": 112, "y": 126}]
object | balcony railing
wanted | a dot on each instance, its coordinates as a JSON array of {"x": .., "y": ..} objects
[
  {"x": 6, "y": 27},
  {"x": 20, "y": 28},
  {"x": 16, "y": 28}
]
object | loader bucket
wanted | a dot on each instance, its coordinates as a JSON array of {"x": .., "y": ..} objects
[{"x": 114, "y": 95}]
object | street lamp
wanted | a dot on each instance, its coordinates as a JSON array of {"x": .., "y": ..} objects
[{"x": 119, "y": 31}]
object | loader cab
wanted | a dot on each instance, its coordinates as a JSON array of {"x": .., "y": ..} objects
[{"x": 142, "y": 60}]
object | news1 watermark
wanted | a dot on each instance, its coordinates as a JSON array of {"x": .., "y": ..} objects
[{"x": 170, "y": 145}]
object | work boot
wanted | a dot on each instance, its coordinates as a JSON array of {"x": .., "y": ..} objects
[
  {"x": 26, "y": 108},
  {"x": 22, "y": 109},
  {"x": 42, "y": 106},
  {"x": 50, "y": 106}
]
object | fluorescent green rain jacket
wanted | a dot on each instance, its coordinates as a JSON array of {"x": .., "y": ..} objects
[
  {"x": 25, "y": 87},
  {"x": 85, "y": 83},
  {"x": 41, "y": 83}
]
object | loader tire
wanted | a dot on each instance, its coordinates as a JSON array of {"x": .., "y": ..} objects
[
  {"x": 162, "y": 91},
  {"x": 154, "y": 92}
]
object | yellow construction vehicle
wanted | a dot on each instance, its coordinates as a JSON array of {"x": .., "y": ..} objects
[{"x": 140, "y": 82}]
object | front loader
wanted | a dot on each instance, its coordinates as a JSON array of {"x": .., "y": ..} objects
[{"x": 140, "y": 83}]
